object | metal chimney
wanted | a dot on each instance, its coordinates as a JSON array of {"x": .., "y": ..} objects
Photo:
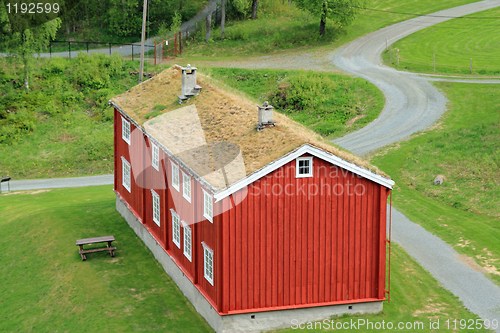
[
  {"x": 189, "y": 86},
  {"x": 265, "y": 116}
]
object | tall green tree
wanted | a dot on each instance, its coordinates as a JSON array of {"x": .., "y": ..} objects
[
  {"x": 28, "y": 43},
  {"x": 342, "y": 12}
]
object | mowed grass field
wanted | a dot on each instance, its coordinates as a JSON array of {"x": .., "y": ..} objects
[
  {"x": 454, "y": 43},
  {"x": 464, "y": 147},
  {"x": 46, "y": 287},
  {"x": 283, "y": 27}
]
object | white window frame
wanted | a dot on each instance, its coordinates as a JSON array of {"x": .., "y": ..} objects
[
  {"x": 175, "y": 176},
  {"x": 297, "y": 161},
  {"x": 188, "y": 240},
  {"x": 126, "y": 130},
  {"x": 156, "y": 207},
  {"x": 186, "y": 180},
  {"x": 155, "y": 156},
  {"x": 176, "y": 229},
  {"x": 208, "y": 267},
  {"x": 208, "y": 207},
  {"x": 126, "y": 175}
]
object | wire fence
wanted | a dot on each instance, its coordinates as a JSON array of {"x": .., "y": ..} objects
[{"x": 158, "y": 52}]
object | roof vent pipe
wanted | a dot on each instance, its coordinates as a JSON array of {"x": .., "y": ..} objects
[
  {"x": 189, "y": 86},
  {"x": 265, "y": 116}
]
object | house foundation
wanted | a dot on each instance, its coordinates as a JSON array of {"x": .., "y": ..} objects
[{"x": 244, "y": 322}]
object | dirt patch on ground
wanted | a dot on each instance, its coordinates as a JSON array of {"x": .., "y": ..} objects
[
  {"x": 431, "y": 308},
  {"x": 27, "y": 192},
  {"x": 351, "y": 121}
]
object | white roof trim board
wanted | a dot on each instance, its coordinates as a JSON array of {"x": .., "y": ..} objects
[{"x": 304, "y": 149}]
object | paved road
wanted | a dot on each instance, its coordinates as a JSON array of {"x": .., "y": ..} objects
[
  {"x": 35, "y": 184},
  {"x": 412, "y": 103},
  {"x": 126, "y": 50}
]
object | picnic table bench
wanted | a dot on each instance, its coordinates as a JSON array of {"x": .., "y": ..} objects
[{"x": 88, "y": 241}]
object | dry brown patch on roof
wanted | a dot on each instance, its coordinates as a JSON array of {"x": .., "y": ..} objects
[{"x": 223, "y": 117}]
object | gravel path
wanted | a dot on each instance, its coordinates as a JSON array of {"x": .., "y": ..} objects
[
  {"x": 35, "y": 184},
  {"x": 412, "y": 103}
]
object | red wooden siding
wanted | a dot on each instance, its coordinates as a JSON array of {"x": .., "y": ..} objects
[
  {"x": 122, "y": 149},
  {"x": 305, "y": 248},
  {"x": 154, "y": 180}
]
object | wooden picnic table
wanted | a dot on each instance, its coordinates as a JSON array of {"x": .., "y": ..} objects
[{"x": 88, "y": 241}]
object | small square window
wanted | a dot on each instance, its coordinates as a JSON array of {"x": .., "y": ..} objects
[
  {"x": 186, "y": 187},
  {"x": 126, "y": 130},
  {"x": 156, "y": 207},
  {"x": 126, "y": 174},
  {"x": 176, "y": 229},
  {"x": 208, "y": 263},
  {"x": 155, "y": 156},
  {"x": 304, "y": 167},
  {"x": 207, "y": 206},
  {"x": 175, "y": 176},
  {"x": 187, "y": 240}
]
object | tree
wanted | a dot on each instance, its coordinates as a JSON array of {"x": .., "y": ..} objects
[
  {"x": 24, "y": 45},
  {"x": 223, "y": 19},
  {"x": 255, "y": 3},
  {"x": 209, "y": 20},
  {"x": 342, "y": 12}
]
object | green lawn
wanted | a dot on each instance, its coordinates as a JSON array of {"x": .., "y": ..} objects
[
  {"x": 465, "y": 148},
  {"x": 46, "y": 287},
  {"x": 454, "y": 43},
  {"x": 289, "y": 28},
  {"x": 329, "y": 104}
]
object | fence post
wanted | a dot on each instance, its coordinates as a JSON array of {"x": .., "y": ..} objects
[
  {"x": 132, "y": 51},
  {"x": 50, "y": 49},
  {"x": 69, "y": 49},
  {"x": 109, "y": 49},
  {"x": 434, "y": 60},
  {"x": 471, "y": 65},
  {"x": 155, "y": 53},
  {"x": 175, "y": 42},
  {"x": 180, "y": 42}
]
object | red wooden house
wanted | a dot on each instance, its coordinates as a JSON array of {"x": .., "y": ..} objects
[{"x": 256, "y": 228}]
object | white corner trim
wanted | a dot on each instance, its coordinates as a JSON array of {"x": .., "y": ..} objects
[{"x": 304, "y": 149}]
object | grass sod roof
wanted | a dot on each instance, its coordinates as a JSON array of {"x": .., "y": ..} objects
[{"x": 216, "y": 117}]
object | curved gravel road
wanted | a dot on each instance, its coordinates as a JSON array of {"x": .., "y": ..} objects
[{"x": 412, "y": 103}]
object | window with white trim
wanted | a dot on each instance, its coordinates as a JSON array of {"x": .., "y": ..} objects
[
  {"x": 126, "y": 130},
  {"x": 207, "y": 206},
  {"x": 304, "y": 167},
  {"x": 186, "y": 186},
  {"x": 175, "y": 176},
  {"x": 176, "y": 229},
  {"x": 187, "y": 240},
  {"x": 155, "y": 156},
  {"x": 156, "y": 207},
  {"x": 126, "y": 174},
  {"x": 208, "y": 263}
]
